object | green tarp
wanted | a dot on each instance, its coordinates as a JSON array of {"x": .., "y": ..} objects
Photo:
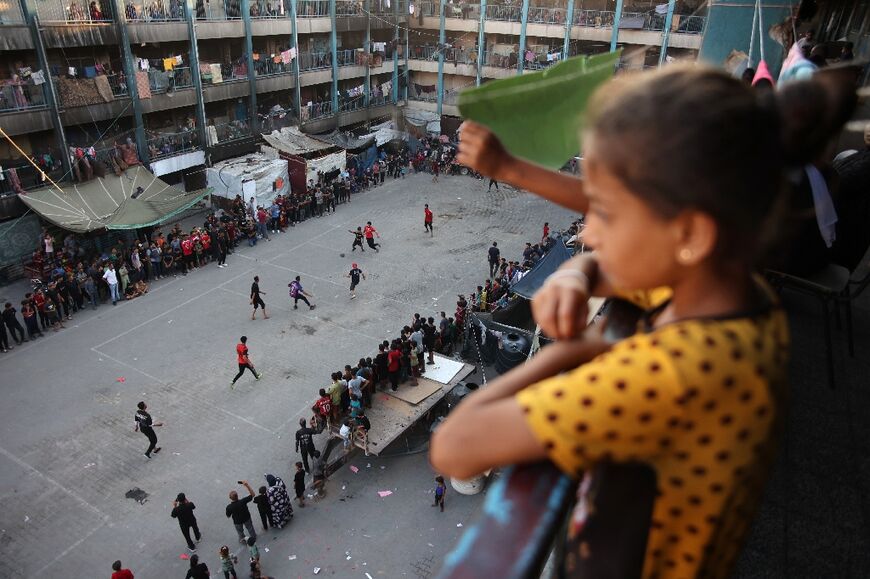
[
  {"x": 537, "y": 116},
  {"x": 136, "y": 198}
]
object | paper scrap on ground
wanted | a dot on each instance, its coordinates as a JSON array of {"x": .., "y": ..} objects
[
  {"x": 383, "y": 494},
  {"x": 292, "y": 557},
  {"x": 120, "y": 379},
  {"x": 368, "y": 576},
  {"x": 316, "y": 570},
  {"x": 184, "y": 556},
  {"x": 266, "y": 549},
  {"x": 547, "y": 135},
  {"x": 354, "y": 469},
  {"x": 458, "y": 524}
]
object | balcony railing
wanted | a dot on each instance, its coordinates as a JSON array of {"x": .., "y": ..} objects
[
  {"x": 378, "y": 101},
  {"x": 504, "y": 13},
  {"x": 457, "y": 55},
  {"x": 268, "y": 67},
  {"x": 155, "y": 11},
  {"x": 30, "y": 177},
  {"x": 165, "y": 145},
  {"x": 233, "y": 130},
  {"x": 218, "y": 10},
  {"x": 356, "y": 103},
  {"x": 419, "y": 52},
  {"x": 314, "y": 60},
  {"x": 499, "y": 60},
  {"x": 73, "y": 12},
  {"x": 177, "y": 78},
  {"x": 538, "y": 15},
  {"x": 21, "y": 96},
  {"x": 349, "y": 57},
  {"x": 348, "y": 8},
  {"x": 237, "y": 70},
  {"x": 117, "y": 84},
  {"x": 312, "y": 111},
  {"x": 10, "y": 13},
  {"x": 312, "y": 9},
  {"x": 268, "y": 9}
]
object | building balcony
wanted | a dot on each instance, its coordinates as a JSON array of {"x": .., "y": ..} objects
[
  {"x": 19, "y": 96},
  {"x": 155, "y": 11},
  {"x": 73, "y": 12},
  {"x": 314, "y": 61},
  {"x": 312, "y": 111},
  {"x": 312, "y": 9},
  {"x": 268, "y": 67}
]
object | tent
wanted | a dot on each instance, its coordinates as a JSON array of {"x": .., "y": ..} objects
[
  {"x": 346, "y": 140},
  {"x": 534, "y": 279},
  {"x": 294, "y": 142},
  {"x": 136, "y": 198},
  {"x": 254, "y": 175}
]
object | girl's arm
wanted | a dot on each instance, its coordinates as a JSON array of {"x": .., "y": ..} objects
[
  {"x": 481, "y": 150},
  {"x": 489, "y": 429}
]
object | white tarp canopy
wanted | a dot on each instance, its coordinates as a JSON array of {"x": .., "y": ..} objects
[
  {"x": 253, "y": 175},
  {"x": 325, "y": 164},
  {"x": 293, "y": 141},
  {"x": 385, "y": 132}
]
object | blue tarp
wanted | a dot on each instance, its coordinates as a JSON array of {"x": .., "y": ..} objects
[{"x": 532, "y": 281}]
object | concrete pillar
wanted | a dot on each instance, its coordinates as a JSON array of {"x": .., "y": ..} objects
[
  {"x": 407, "y": 53},
  {"x": 394, "y": 94},
  {"x": 368, "y": 49},
  {"x": 663, "y": 53},
  {"x": 294, "y": 42},
  {"x": 524, "y": 22},
  {"x": 333, "y": 47},
  {"x": 569, "y": 20},
  {"x": 50, "y": 95},
  {"x": 442, "y": 40},
  {"x": 249, "y": 59},
  {"x": 481, "y": 41},
  {"x": 130, "y": 72},
  {"x": 614, "y": 34},
  {"x": 190, "y": 12}
]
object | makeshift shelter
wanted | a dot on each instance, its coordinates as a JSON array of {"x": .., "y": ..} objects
[
  {"x": 345, "y": 140},
  {"x": 134, "y": 199},
  {"x": 535, "y": 278},
  {"x": 255, "y": 175},
  {"x": 423, "y": 123},
  {"x": 306, "y": 156}
]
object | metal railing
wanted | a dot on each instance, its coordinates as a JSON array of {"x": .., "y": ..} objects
[
  {"x": 348, "y": 8},
  {"x": 427, "y": 8},
  {"x": 268, "y": 67},
  {"x": 218, "y": 10},
  {"x": 155, "y": 11},
  {"x": 504, "y": 13},
  {"x": 314, "y": 60},
  {"x": 74, "y": 11},
  {"x": 178, "y": 77},
  {"x": 30, "y": 177},
  {"x": 231, "y": 71},
  {"x": 356, "y": 103},
  {"x": 117, "y": 84},
  {"x": 312, "y": 9},
  {"x": 268, "y": 9},
  {"x": 499, "y": 60},
  {"x": 348, "y": 57},
  {"x": 233, "y": 130},
  {"x": 419, "y": 52},
  {"x": 10, "y": 13},
  {"x": 379, "y": 101},
  {"x": 458, "y": 55},
  {"x": 538, "y": 15},
  {"x": 165, "y": 145},
  {"x": 312, "y": 111},
  {"x": 21, "y": 96}
]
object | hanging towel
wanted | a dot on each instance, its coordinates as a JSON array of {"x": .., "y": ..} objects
[
  {"x": 386, "y": 87},
  {"x": 38, "y": 77},
  {"x": 285, "y": 57},
  {"x": 102, "y": 83},
  {"x": 826, "y": 214},
  {"x": 144, "y": 64},
  {"x": 178, "y": 61},
  {"x": 90, "y": 71},
  {"x": 211, "y": 136},
  {"x": 292, "y": 52},
  {"x": 276, "y": 58},
  {"x": 168, "y": 63},
  {"x": 15, "y": 182},
  {"x": 142, "y": 85},
  {"x": 72, "y": 71},
  {"x": 216, "y": 76}
]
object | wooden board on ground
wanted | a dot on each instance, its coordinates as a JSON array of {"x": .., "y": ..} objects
[
  {"x": 417, "y": 394},
  {"x": 391, "y": 416}
]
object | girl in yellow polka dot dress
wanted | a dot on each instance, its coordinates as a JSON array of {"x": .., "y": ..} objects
[{"x": 682, "y": 171}]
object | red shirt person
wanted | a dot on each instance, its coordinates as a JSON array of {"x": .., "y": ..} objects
[
  {"x": 370, "y": 232},
  {"x": 119, "y": 573},
  {"x": 427, "y": 218}
]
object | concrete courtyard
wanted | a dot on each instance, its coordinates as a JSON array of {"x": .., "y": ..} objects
[{"x": 69, "y": 457}]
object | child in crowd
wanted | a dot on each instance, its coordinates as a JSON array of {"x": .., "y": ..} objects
[
  {"x": 440, "y": 492},
  {"x": 253, "y": 549},
  {"x": 227, "y": 563},
  {"x": 299, "y": 484},
  {"x": 683, "y": 169},
  {"x": 262, "y": 502}
]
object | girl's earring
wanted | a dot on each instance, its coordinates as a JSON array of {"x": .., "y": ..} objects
[{"x": 685, "y": 255}]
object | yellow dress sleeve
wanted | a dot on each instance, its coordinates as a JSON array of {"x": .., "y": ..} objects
[{"x": 621, "y": 406}]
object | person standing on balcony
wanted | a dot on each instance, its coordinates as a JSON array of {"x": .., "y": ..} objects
[{"x": 698, "y": 392}]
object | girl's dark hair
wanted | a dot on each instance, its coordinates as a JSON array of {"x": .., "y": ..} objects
[{"x": 696, "y": 138}]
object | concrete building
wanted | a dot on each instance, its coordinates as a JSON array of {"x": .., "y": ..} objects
[{"x": 194, "y": 81}]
